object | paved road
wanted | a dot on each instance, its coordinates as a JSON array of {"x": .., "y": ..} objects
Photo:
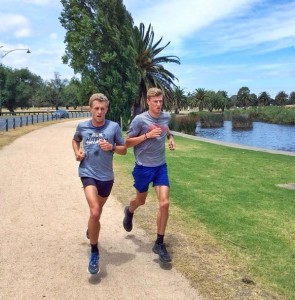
[{"x": 43, "y": 252}]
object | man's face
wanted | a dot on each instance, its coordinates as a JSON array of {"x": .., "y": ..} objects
[
  {"x": 98, "y": 111},
  {"x": 155, "y": 104}
]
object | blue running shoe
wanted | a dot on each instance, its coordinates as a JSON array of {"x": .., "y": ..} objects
[{"x": 93, "y": 267}]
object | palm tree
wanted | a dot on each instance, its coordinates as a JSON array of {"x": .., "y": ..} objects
[
  {"x": 281, "y": 98},
  {"x": 264, "y": 99},
  {"x": 199, "y": 97},
  {"x": 149, "y": 65},
  {"x": 179, "y": 100}
]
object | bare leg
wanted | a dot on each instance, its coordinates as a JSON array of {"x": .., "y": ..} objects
[
  {"x": 137, "y": 201},
  {"x": 163, "y": 211},
  {"x": 96, "y": 204}
]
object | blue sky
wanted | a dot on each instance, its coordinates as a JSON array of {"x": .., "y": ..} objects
[{"x": 222, "y": 44}]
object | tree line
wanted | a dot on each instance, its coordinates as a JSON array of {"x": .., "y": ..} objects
[
  {"x": 111, "y": 55},
  {"x": 203, "y": 99}
]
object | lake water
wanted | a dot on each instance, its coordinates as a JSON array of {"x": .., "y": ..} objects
[{"x": 262, "y": 135}]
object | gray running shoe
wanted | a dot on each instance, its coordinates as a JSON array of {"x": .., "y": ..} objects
[
  {"x": 127, "y": 221},
  {"x": 164, "y": 256}
]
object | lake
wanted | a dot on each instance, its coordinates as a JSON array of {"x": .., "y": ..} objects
[{"x": 262, "y": 135}]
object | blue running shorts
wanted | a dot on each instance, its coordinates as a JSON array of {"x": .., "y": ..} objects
[
  {"x": 143, "y": 176},
  {"x": 103, "y": 187}
]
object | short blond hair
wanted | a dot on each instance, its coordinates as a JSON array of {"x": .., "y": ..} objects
[
  {"x": 98, "y": 97},
  {"x": 153, "y": 92}
]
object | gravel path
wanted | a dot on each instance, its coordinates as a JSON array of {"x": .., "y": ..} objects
[{"x": 43, "y": 251}]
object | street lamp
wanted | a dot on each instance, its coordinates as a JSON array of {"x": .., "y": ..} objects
[
  {"x": 8, "y": 51},
  {"x": 3, "y": 55}
]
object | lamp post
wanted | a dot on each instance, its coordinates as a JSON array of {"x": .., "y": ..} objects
[
  {"x": 4, "y": 53},
  {"x": 9, "y": 51}
]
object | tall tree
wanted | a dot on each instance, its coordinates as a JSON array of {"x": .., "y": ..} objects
[
  {"x": 18, "y": 88},
  {"x": 254, "y": 99},
  {"x": 264, "y": 99},
  {"x": 99, "y": 47},
  {"x": 291, "y": 99},
  {"x": 281, "y": 98},
  {"x": 149, "y": 65},
  {"x": 56, "y": 88},
  {"x": 179, "y": 100},
  {"x": 223, "y": 100},
  {"x": 244, "y": 97},
  {"x": 199, "y": 98}
]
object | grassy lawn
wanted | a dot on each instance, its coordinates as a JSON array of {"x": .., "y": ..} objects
[{"x": 231, "y": 228}]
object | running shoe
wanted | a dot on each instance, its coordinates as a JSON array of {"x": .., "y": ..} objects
[
  {"x": 93, "y": 267},
  {"x": 161, "y": 250},
  {"x": 127, "y": 222}
]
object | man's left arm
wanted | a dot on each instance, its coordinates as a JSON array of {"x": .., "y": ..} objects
[{"x": 171, "y": 143}]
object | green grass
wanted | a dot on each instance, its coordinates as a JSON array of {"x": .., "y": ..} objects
[
  {"x": 228, "y": 218},
  {"x": 233, "y": 193}
]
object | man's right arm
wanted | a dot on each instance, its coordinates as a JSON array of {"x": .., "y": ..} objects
[
  {"x": 78, "y": 153},
  {"x": 133, "y": 141}
]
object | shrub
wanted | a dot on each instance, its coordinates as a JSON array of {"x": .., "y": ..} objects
[
  {"x": 183, "y": 123},
  {"x": 211, "y": 120},
  {"x": 241, "y": 121}
]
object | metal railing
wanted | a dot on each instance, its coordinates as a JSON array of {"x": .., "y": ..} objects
[{"x": 12, "y": 122}]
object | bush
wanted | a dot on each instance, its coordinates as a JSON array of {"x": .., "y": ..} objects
[
  {"x": 241, "y": 121},
  {"x": 183, "y": 123},
  {"x": 273, "y": 114},
  {"x": 211, "y": 120}
]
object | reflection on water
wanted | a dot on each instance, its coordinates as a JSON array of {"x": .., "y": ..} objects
[{"x": 262, "y": 135}]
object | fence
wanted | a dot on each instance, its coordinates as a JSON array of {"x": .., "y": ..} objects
[{"x": 7, "y": 123}]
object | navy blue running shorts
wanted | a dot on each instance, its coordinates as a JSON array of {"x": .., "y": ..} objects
[
  {"x": 103, "y": 187},
  {"x": 143, "y": 176}
]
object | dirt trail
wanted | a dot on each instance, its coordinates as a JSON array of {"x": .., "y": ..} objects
[{"x": 43, "y": 251}]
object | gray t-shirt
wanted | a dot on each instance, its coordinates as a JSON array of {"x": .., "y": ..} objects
[
  {"x": 97, "y": 164},
  {"x": 151, "y": 152}
]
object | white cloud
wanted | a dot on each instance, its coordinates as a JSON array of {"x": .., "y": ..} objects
[
  {"x": 273, "y": 28},
  {"x": 175, "y": 20},
  {"x": 39, "y": 2},
  {"x": 17, "y": 24},
  {"x": 220, "y": 26},
  {"x": 53, "y": 36}
]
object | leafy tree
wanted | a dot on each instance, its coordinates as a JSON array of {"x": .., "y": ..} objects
[
  {"x": 179, "y": 100},
  {"x": 72, "y": 93},
  {"x": 264, "y": 99},
  {"x": 18, "y": 89},
  {"x": 42, "y": 96},
  {"x": 3, "y": 75},
  {"x": 254, "y": 99},
  {"x": 210, "y": 100},
  {"x": 99, "y": 47},
  {"x": 56, "y": 87},
  {"x": 291, "y": 99},
  {"x": 281, "y": 98},
  {"x": 232, "y": 101},
  {"x": 222, "y": 100},
  {"x": 190, "y": 99},
  {"x": 149, "y": 65},
  {"x": 243, "y": 97},
  {"x": 199, "y": 98},
  {"x": 214, "y": 100}
]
